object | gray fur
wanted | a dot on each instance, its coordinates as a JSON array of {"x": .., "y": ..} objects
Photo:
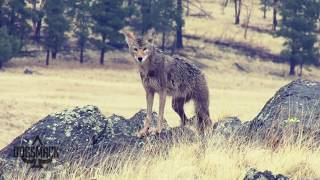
[{"x": 173, "y": 76}]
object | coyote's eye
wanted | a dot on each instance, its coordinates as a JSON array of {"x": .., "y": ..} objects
[
  {"x": 135, "y": 49},
  {"x": 145, "y": 49}
]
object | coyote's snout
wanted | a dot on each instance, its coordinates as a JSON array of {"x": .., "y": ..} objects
[{"x": 167, "y": 75}]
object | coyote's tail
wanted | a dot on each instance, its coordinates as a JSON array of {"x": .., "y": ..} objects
[{"x": 201, "y": 101}]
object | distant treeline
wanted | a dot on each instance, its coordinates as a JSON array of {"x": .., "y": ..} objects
[
  {"x": 48, "y": 23},
  {"x": 51, "y": 23}
]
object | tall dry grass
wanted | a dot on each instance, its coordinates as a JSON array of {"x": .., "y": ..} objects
[{"x": 227, "y": 160}]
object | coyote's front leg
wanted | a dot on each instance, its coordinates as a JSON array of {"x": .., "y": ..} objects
[
  {"x": 162, "y": 103},
  {"x": 145, "y": 130}
]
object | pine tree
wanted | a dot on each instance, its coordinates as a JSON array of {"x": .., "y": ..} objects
[
  {"x": 108, "y": 18},
  {"x": 14, "y": 16},
  {"x": 9, "y": 46},
  {"x": 157, "y": 14},
  {"x": 298, "y": 27},
  {"x": 81, "y": 24},
  {"x": 37, "y": 15},
  {"x": 146, "y": 15},
  {"x": 57, "y": 25},
  {"x": 18, "y": 16},
  {"x": 2, "y": 13},
  {"x": 166, "y": 18}
]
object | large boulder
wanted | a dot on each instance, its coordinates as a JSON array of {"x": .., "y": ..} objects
[
  {"x": 81, "y": 132},
  {"x": 293, "y": 112}
]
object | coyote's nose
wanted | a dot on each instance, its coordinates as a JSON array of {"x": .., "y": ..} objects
[{"x": 140, "y": 59}]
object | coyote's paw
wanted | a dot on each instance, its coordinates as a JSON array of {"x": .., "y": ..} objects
[
  {"x": 143, "y": 132},
  {"x": 155, "y": 130}
]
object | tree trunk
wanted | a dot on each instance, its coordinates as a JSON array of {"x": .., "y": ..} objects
[
  {"x": 179, "y": 22},
  {"x": 237, "y": 10},
  {"x": 301, "y": 68},
  {"x": 275, "y": 20},
  {"x": 292, "y": 66},
  {"x": 188, "y": 8},
  {"x": 264, "y": 11},
  {"x": 226, "y": 2},
  {"x": 37, "y": 31},
  {"x": 54, "y": 54},
  {"x": 249, "y": 9},
  {"x": 163, "y": 40},
  {"x": 34, "y": 8},
  {"x": 0, "y": 65},
  {"x": 102, "y": 56},
  {"x": 173, "y": 47},
  {"x": 179, "y": 43},
  {"x": 246, "y": 26},
  {"x": 103, "y": 49},
  {"x": 47, "y": 58},
  {"x": 81, "y": 54},
  {"x": 12, "y": 21}
]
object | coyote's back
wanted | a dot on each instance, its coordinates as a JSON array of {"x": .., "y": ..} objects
[{"x": 186, "y": 82}]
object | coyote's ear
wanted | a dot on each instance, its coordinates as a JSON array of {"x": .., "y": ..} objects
[
  {"x": 150, "y": 36},
  {"x": 130, "y": 36}
]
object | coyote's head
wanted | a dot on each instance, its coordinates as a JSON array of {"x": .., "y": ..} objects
[{"x": 140, "y": 47}]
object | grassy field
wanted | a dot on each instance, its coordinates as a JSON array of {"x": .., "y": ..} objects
[{"x": 116, "y": 88}]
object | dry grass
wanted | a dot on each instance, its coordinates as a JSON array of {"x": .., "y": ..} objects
[
  {"x": 116, "y": 88},
  {"x": 221, "y": 162}
]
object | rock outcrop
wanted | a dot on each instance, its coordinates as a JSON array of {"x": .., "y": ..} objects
[
  {"x": 85, "y": 132},
  {"x": 254, "y": 174},
  {"x": 294, "y": 111}
]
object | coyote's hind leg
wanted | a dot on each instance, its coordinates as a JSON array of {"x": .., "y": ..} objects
[{"x": 177, "y": 105}]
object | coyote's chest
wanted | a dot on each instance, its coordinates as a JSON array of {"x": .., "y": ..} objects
[
  {"x": 152, "y": 80},
  {"x": 157, "y": 81}
]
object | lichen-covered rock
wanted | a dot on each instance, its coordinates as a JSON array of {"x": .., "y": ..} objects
[
  {"x": 81, "y": 132},
  {"x": 253, "y": 174},
  {"x": 131, "y": 126},
  {"x": 70, "y": 130},
  {"x": 227, "y": 127},
  {"x": 132, "y": 144},
  {"x": 293, "y": 111}
]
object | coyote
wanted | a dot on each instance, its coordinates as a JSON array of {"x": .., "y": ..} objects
[{"x": 166, "y": 75}]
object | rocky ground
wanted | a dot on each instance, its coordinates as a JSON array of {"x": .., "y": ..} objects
[{"x": 293, "y": 114}]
